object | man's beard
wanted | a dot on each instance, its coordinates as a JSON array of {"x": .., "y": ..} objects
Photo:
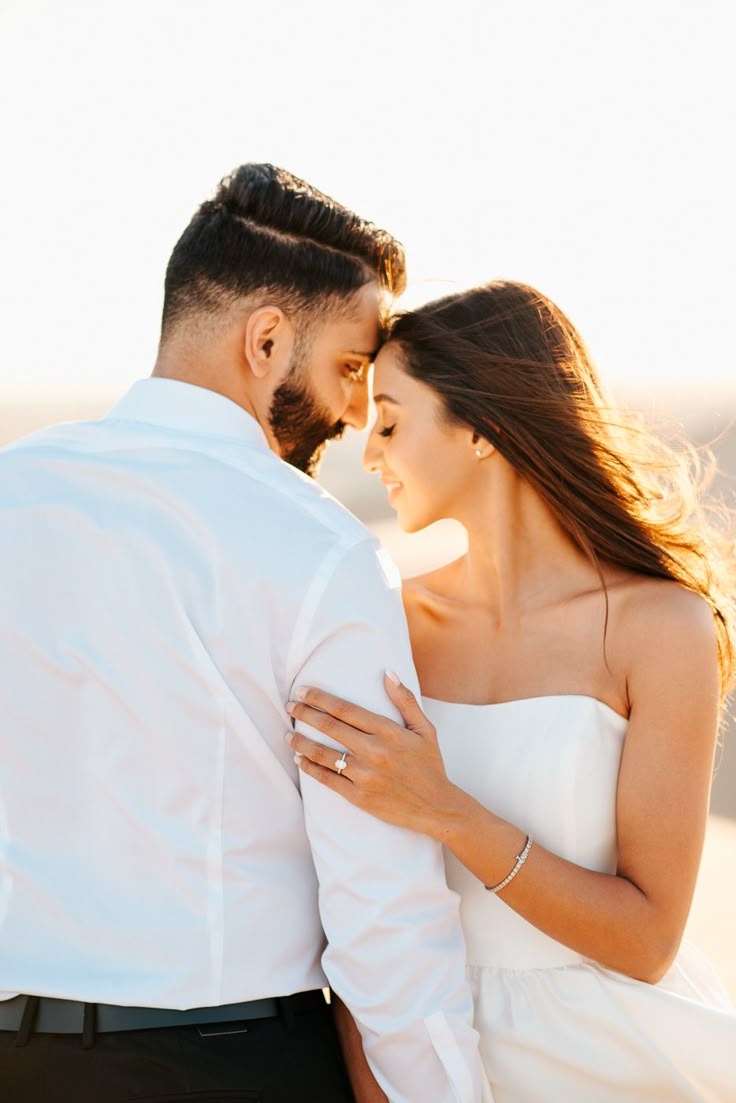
[{"x": 301, "y": 426}]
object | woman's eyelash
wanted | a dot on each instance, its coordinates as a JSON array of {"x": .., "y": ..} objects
[{"x": 387, "y": 431}]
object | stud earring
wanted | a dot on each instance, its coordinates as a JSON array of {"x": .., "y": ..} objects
[{"x": 479, "y": 452}]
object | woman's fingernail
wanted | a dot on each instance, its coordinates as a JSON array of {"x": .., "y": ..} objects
[
  {"x": 290, "y": 707},
  {"x": 289, "y": 737},
  {"x": 300, "y": 693},
  {"x": 393, "y": 677},
  {"x": 298, "y": 757}
]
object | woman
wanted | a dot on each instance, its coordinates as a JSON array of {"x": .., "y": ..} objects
[{"x": 573, "y": 665}]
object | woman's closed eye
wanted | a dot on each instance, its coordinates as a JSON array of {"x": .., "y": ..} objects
[{"x": 386, "y": 431}]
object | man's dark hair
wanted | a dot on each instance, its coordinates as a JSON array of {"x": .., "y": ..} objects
[{"x": 268, "y": 231}]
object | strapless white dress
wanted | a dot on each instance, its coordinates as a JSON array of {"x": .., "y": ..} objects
[{"x": 555, "y": 1027}]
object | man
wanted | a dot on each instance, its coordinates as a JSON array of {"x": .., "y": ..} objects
[{"x": 169, "y": 583}]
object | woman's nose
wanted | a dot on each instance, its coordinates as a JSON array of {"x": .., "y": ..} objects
[{"x": 372, "y": 454}]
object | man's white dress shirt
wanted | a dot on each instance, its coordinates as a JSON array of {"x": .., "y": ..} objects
[{"x": 166, "y": 583}]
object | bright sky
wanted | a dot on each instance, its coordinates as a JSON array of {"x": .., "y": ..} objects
[{"x": 587, "y": 148}]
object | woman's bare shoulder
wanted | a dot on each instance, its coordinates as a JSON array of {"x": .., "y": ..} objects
[
  {"x": 660, "y": 628},
  {"x": 660, "y": 605}
]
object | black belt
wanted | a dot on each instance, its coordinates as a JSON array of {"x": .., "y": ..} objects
[{"x": 45, "y": 1015}]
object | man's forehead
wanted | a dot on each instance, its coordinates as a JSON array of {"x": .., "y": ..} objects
[
  {"x": 357, "y": 335},
  {"x": 365, "y": 310}
]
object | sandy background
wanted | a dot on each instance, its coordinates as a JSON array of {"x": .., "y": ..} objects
[{"x": 705, "y": 417}]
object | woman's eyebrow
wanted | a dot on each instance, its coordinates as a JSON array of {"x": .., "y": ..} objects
[{"x": 385, "y": 398}]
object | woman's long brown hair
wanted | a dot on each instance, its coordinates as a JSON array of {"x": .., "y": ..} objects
[{"x": 508, "y": 363}]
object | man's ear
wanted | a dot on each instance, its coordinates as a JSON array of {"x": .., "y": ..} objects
[{"x": 267, "y": 341}]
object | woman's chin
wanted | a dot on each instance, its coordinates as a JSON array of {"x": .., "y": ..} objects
[{"x": 407, "y": 523}]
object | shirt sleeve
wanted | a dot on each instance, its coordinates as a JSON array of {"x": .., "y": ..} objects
[{"x": 395, "y": 953}]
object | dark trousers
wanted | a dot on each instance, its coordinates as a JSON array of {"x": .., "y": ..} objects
[{"x": 270, "y": 1061}]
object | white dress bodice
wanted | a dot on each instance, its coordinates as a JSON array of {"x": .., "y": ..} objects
[
  {"x": 550, "y": 766},
  {"x": 553, "y": 1024}
]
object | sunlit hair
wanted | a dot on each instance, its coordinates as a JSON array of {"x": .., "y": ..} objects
[
  {"x": 267, "y": 231},
  {"x": 508, "y": 363}
]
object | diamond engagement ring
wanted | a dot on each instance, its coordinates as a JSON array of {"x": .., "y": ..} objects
[{"x": 341, "y": 762}]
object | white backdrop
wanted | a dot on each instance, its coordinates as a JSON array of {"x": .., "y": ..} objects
[{"x": 583, "y": 147}]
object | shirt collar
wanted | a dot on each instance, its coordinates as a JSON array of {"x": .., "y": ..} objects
[{"x": 187, "y": 408}]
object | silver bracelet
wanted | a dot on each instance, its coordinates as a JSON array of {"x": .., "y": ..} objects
[{"x": 520, "y": 859}]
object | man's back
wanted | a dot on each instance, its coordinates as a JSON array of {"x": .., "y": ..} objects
[
  {"x": 169, "y": 581},
  {"x": 155, "y": 582}
]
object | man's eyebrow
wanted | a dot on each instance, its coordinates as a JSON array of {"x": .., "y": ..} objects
[
  {"x": 364, "y": 355},
  {"x": 385, "y": 398}
]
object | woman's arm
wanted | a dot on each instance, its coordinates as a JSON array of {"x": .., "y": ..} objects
[
  {"x": 366, "y": 1088},
  {"x": 631, "y": 921}
]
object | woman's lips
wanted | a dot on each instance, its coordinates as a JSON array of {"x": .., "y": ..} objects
[{"x": 392, "y": 489}]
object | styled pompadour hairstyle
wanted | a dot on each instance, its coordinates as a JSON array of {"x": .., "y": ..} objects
[{"x": 268, "y": 231}]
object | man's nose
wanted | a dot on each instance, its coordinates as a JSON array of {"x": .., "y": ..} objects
[{"x": 356, "y": 414}]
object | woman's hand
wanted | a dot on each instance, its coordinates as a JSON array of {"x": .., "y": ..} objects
[{"x": 395, "y": 773}]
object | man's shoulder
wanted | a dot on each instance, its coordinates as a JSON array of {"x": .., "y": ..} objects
[
  {"x": 311, "y": 541},
  {"x": 63, "y": 433},
  {"x": 279, "y": 502},
  {"x": 319, "y": 509}
]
